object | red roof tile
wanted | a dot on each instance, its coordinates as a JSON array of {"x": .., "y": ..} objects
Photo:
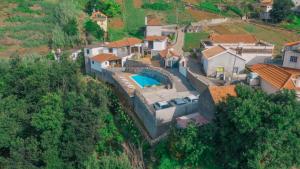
[
  {"x": 292, "y": 43},
  {"x": 124, "y": 42},
  {"x": 279, "y": 77},
  {"x": 168, "y": 52},
  {"x": 213, "y": 51},
  {"x": 155, "y": 38},
  {"x": 105, "y": 57}
]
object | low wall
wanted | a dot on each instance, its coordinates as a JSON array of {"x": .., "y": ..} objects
[
  {"x": 209, "y": 22},
  {"x": 198, "y": 82}
]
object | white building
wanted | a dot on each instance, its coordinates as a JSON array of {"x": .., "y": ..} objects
[
  {"x": 154, "y": 44},
  {"x": 266, "y": 6},
  {"x": 291, "y": 57},
  {"x": 104, "y": 61},
  {"x": 220, "y": 62},
  {"x": 247, "y": 46},
  {"x": 274, "y": 78},
  {"x": 169, "y": 58}
]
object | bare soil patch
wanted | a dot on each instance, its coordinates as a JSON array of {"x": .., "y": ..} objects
[
  {"x": 201, "y": 15},
  {"x": 137, "y": 3},
  {"x": 116, "y": 23}
]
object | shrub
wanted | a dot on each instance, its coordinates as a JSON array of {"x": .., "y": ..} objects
[
  {"x": 236, "y": 10},
  {"x": 208, "y": 6},
  {"x": 93, "y": 28},
  {"x": 160, "y": 6}
]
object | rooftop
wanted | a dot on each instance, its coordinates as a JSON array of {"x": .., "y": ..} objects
[
  {"x": 219, "y": 93},
  {"x": 168, "y": 52},
  {"x": 213, "y": 51},
  {"x": 153, "y": 21},
  {"x": 124, "y": 42},
  {"x": 279, "y": 77},
  {"x": 105, "y": 57},
  {"x": 197, "y": 118},
  {"x": 292, "y": 43},
  {"x": 233, "y": 38},
  {"x": 155, "y": 38}
]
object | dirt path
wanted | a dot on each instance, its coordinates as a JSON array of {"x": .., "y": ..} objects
[{"x": 179, "y": 42}]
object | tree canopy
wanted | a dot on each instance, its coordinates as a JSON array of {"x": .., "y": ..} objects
[
  {"x": 109, "y": 7},
  {"x": 281, "y": 10},
  {"x": 53, "y": 117}
]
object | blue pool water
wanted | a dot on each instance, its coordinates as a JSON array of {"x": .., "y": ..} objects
[{"x": 144, "y": 81}]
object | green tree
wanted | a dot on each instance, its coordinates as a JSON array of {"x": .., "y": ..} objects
[
  {"x": 257, "y": 130},
  {"x": 281, "y": 10},
  {"x": 109, "y": 7},
  {"x": 94, "y": 29}
]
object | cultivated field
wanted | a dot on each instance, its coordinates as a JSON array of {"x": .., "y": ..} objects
[{"x": 266, "y": 33}]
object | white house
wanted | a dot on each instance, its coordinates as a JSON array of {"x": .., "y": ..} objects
[
  {"x": 95, "y": 49},
  {"x": 182, "y": 67},
  {"x": 169, "y": 58},
  {"x": 291, "y": 57},
  {"x": 266, "y": 6},
  {"x": 274, "y": 78},
  {"x": 220, "y": 62},
  {"x": 247, "y": 46},
  {"x": 155, "y": 28},
  {"x": 104, "y": 61},
  {"x": 126, "y": 48},
  {"x": 154, "y": 44}
]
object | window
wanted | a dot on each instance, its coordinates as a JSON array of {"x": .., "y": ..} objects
[
  {"x": 110, "y": 50},
  {"x": 88, "y": 51},
  {"x": 93, "y": 62},
  {"x": 293, "y": 59}
]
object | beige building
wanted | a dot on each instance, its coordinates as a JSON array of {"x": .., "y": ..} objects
[{"x": 101, "y": 19}]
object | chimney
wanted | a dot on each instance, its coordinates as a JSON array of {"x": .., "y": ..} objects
[
  {"x": 297, "y": 82},
  {"x": 146, "y": 20}
]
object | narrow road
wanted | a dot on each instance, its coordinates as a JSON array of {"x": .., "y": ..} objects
[{"x": 180, "y": 41}]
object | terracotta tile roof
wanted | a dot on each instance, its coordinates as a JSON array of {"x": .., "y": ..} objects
[
  {"x": 152, "y": 21},
  {"x": 155, "y": 38},
  {"x": 168, "y": 52},
  {"x": 124, "y": 42},
  {"x": 213, "y": 51},
  {"x": 105, "y": 57},
  {"x": 233, "y": 38},
  {"x": 279, "y": 77},
  {"x": 292, "y": 43},
  {"x": 97, "y": 14},
  {"x": 219, "y": 93},
  {"x": 266, "y": 2}
]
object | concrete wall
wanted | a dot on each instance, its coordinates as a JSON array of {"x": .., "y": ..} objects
[
  {"x": 98, "y": 66},
  {"x": 252, "y": 59},
  {"x": 226, "y": 60},
  {"x": 206, "y": 105},
  {"x": 93, "y": 51},
  {"x": 200, "y": 84},
  {"x": 210, "y": 22},
  {"x": 267, "y": 87}
]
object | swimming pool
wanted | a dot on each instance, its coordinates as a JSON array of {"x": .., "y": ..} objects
[{"x": 144, "y": 81}]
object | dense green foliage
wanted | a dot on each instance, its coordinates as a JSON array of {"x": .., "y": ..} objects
[
  {"x": 251, "y": 131},
  {"x": 256, "y": 130},
  {"x": 53, "y": 117},
  {"x": 281, "y": 10},
  {"x": 236, "y": 10},
  {"x": 109, "y": 7},
  {"x": 94, "y": 29},
  {"x": 162, "y": 6},
  {"x": 210, "y": 7}
]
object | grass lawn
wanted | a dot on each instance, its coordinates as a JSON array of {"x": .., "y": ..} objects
[{"x": 192, "y": 40}]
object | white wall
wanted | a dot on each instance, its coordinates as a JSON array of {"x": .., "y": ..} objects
[
  {"x": 159, "y": 45},
  {"x": 226, "y": 60},
  {"x": 254, "y": 58},
  {"x": 153, "y": 30},
  {"x": 99, "y": 65},
  {"x": 93, "y": 51},
  {"x": 267, "y": 87}
]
